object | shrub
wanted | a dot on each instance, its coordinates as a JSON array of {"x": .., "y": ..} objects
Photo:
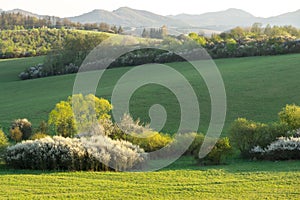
[
  {"x": 284, "y": 148},
  {"x": 24, "y": 127},
  {"x": 246, "y": 134},
  {"x": 216, "y": 156},
  {"x": 38, "y": 135},
  {"x": 55, "y": 153},
  {"x": 150, "y": 141},
  {"x": 218, "y": 153},
  {"x": 78, "y": 114},
  {"x": 62, "y": 120},
  {"x": 3, "y": 139},
  {"x": 16, "y": 134},
  {"x": 59, "y": 153},
  {"x": 290, "y": 114}
]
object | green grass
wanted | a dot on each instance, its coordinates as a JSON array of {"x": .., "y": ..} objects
[
  {"x": 242, "y": 180},
  {"x": 257, "y": 88}
]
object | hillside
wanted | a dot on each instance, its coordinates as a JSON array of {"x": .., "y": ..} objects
[
  {"x": 257, "y": 88},
  {"x": 128, "y": 17},
  {"x": 230, "y": 18}
]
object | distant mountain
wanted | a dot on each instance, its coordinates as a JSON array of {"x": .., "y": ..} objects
[
  {"x": 125, "y": 16},
  {"x": 222, "y": 20},
  {"x": 24, "y": 12},
  {"x": 225, "y": 20},
  {"x": 291, "y": 18}
]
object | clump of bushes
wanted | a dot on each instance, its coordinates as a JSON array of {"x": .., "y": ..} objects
[
  {"x": 245, "y": 134},
  {"x": 284, "y": 148},
  {"x": 21, "y": 129},
  {"x": 251, "y": 137},
  {"x": 78, "y": 114},
  {"x": 218, "y": 154},
  {"x": 98, "y": 153}
]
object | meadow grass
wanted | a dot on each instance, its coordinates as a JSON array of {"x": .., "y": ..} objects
[
  {"x": 256, "y": 87},
  {"x": 238, "y": 180}
]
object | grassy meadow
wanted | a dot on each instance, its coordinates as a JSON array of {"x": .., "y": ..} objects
[
  {"x": 238, "y": 180},
  {"x": 257, "y": 88}
]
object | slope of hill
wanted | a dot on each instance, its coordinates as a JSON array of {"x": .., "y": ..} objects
[
  {"x": 291, "y": 18},
  {"x": 223, "y": 19},
  {"x": 254, "y": 88}
]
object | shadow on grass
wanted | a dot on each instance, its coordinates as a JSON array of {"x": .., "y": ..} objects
[
  {"x": 189, "y": 163},
  {"x": 237, "y": 165}
]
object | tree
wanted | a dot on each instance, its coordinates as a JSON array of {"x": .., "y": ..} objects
[
  {"x": 120, "y": 30},
  {"x": 61, "y": 118},
  {"x": 145, "y": 34},
  {"x": 3, "y": 139},
  {"x": 290, "y": 114},
  {"x": 78, "y": 114},
  {"x": 22, "y": 125}
]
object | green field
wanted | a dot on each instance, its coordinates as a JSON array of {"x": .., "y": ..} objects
[
  {"x": 241, "y": 180},
  {"x": 257, "y": 88}
]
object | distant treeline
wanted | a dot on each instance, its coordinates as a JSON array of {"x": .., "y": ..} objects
[
  {"x": 251, "y": 41},
  {"x": 18, "y": 21},
  {"x": 37, "y": 41}
]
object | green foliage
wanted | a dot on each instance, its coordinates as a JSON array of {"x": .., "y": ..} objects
[
  {"x": 150, "y": 141},
  {"x": 246, "y": 134},
  {"x": 218, "y": 154},
  {"x": 38, "y": 136},
  {"x": 88, "y": 110},
  {"x": 62, "y": 120},
  {"x": 290, "y": 114},
  {"x": 3, "y": 139}
]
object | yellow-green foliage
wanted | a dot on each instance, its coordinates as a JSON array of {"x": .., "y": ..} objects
[
  {"x": 62, "y": 119},
  {"x": 246, "y": 133},
  {"x": 78, "y": 114},
  {"x": 290, "y": 114},
  {"x": 3, "y": 139},
  {"x": 150, "y": 141},
  {"x": 219, "y": 152},
  {"x": 16, "y": 134},
  {"x": 38, "y": 135}
]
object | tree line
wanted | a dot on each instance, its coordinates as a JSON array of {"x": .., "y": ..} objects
[{"x": 18, "y": 21}]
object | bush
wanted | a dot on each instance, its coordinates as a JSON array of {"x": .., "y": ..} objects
[
  {"x": 24, "y": 127},
  {"x": 150, "y": 141},
  {"x": 290, "y": 114},
  {"x": 216, "y": 156},
  {"x": 59, "y": 153},
  {"x": 3, "y": 139},
  {"x": 246, "y": 134},
  {"x": 284, "y": 148},
  {"x": 38, "y": 136},
  {"x": 78, "y": 114},
  {"x": 16, "y": 134},
  {"x": 218, "y": 153}
]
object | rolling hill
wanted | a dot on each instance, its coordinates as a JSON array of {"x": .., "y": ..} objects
[{"x": 128, "y": 17}]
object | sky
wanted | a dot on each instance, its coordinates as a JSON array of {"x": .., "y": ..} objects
[{"x": 68, "y": 8}]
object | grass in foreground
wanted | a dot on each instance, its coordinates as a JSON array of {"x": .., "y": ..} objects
[{"x": 242, "y": 180}]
